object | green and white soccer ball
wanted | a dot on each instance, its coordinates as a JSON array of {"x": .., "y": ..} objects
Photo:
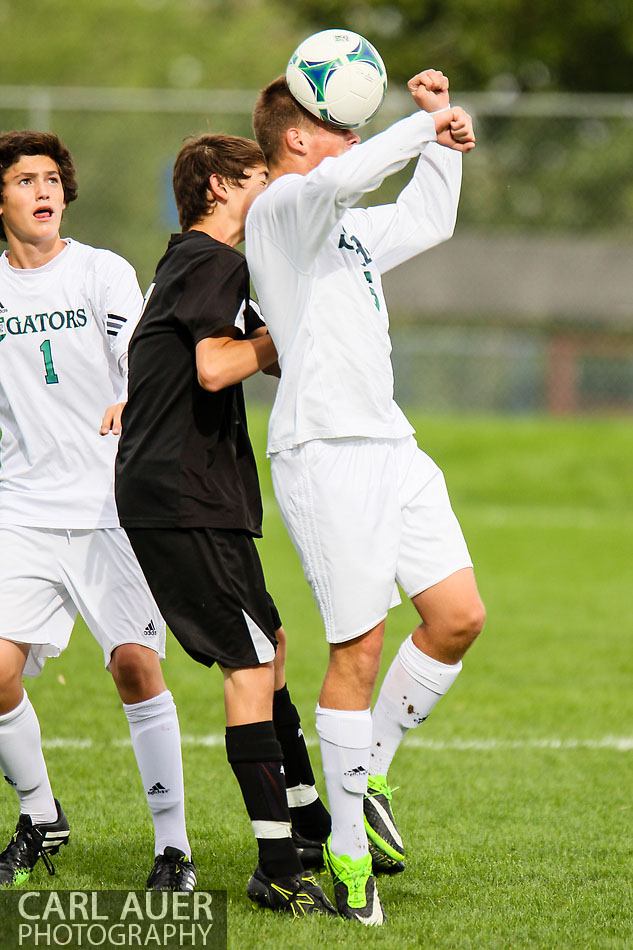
[{"x": 339, "y": 77}]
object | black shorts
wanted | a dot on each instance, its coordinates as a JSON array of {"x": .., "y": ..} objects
[{"x": 210, "y": 588}]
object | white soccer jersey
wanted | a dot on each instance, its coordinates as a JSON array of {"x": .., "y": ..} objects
[
  {"x": 64, "y": 332},
  {"x": 316, "y": 267}
]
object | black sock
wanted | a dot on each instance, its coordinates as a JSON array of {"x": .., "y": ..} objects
[
  {"x": 256, "y": 759},
  {"x": 311, "y": 820}
]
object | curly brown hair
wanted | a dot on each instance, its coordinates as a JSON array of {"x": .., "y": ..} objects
[
  {"x": 227, "y": 156},
  {"x": 13, "y": 145}
]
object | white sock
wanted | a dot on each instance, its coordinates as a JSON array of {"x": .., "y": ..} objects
[
  {"x": 345, "y": 737},
  {"x": 23, "y": 764},
  {"x": 155, "y": 736},
  {"x": 413, "y": 685}
]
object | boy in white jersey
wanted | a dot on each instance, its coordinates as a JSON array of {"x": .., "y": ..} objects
[
  {"x": 363, "y": 505},
  {"x": 67, "y": 313}
]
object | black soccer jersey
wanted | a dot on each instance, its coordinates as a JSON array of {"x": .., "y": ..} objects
[{"x": 185, "y": 458}]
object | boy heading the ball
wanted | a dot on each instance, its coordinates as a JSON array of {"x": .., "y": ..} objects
[
  {"x": 188, "y": 495},
  {"x": 364, "y": 506}
]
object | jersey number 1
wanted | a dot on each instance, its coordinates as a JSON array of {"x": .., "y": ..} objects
[{"x": 51, "y": 375}]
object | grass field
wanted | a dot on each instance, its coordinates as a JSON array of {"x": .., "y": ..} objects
[{"x": 515, "y": 796}]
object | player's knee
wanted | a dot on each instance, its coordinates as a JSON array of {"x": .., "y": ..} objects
[
  {"x": 136, "y": 671},
  {"x": 468, "y": 622},
  {"x": 358, "y": 660},
  {"x": 12, "y": 660},
  {"x": 282, "y": 645},
  {"x": 282, "y": 639},
  {"x": 371, "y": 653},
  {"x": 10, "y": 681}
]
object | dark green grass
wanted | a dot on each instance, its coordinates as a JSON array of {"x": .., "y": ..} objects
[{"x": 511, "y": 845}]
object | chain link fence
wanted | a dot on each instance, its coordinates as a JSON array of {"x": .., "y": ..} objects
[{"x": 529, "y": 308}]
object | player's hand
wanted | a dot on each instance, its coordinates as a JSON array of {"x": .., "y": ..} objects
[
  {"x": 454, "y": 129},
  {"x": 429, "y": 90},
  {"x": 111, "y": 421}
]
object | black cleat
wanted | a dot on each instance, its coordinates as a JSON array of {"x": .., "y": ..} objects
[
  {"x": 298, "y": 894},
  {"x": 172, "y": 871},
  {"x": 29, "y": 843},
  {"x": 310, "y": 851}
]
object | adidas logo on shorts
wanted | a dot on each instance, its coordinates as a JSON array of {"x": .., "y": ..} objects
[{"x": 150, "y": 630}]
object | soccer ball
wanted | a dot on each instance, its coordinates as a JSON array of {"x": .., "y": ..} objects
[{"x": 339, "y": 77}]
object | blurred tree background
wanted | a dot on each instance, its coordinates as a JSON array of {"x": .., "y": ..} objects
[
  {"x": 574, "y": 45},
  {"x": 570, "y": 45},
  {"x": 124, "y": 82}
]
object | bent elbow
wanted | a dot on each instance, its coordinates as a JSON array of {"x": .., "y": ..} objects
[
  {"x": 211, "y": 381},
  {"x": 447, "y": 227},
  {"x": 443, "y": 232}
]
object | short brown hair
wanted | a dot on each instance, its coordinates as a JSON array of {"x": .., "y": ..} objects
[
  {"x": 13, "y": 145},
  {"x": 227, "y": 156},
  {"x": 275, "y": 112}
]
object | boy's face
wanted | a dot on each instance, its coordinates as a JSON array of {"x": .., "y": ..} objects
[
  {"x": 32, "y": 200},
  {"x": 242, "y": 195},
  {"x": 326, "y": 141},
  {"x": 253, "y": 186}
]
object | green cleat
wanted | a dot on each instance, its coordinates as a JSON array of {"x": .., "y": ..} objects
[
  {"x": 355, "y": 888},
  {"x": 385, "y": 843}
]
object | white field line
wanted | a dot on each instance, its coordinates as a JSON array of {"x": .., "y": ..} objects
[
  {"x": 613, "y": 743},
  {"x": 67, "y": 743},
  {"x": 616, "y": 743},
  {"x": 549, "y": 516}
]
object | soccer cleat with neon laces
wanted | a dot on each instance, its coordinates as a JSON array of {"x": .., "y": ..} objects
[
  {"x": 172, "y": 871},
  {"x": 385, "y": 843},
  {"x": 29, "y": 843},
  {"x": 355, "y": 888},
  {"x": 298, "y": 894}
]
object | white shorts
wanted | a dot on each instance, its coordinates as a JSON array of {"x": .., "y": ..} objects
[
  {"x": 363, "y": 514},
  {"x": 48, "y": 576}
]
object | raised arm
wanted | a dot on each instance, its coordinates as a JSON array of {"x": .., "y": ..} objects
[
  {"x": 301, "y": 210},
  {"x": 423, "y": 215},
  {"x": 426, "y": 210}
]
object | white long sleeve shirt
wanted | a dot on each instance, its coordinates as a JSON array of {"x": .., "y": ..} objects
[
  {"x": 316, "y": 265},
  {"x": 64, "y": 332}
]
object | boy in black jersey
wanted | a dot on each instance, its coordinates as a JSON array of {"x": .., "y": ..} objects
[{"x": 188, "y": 496}]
